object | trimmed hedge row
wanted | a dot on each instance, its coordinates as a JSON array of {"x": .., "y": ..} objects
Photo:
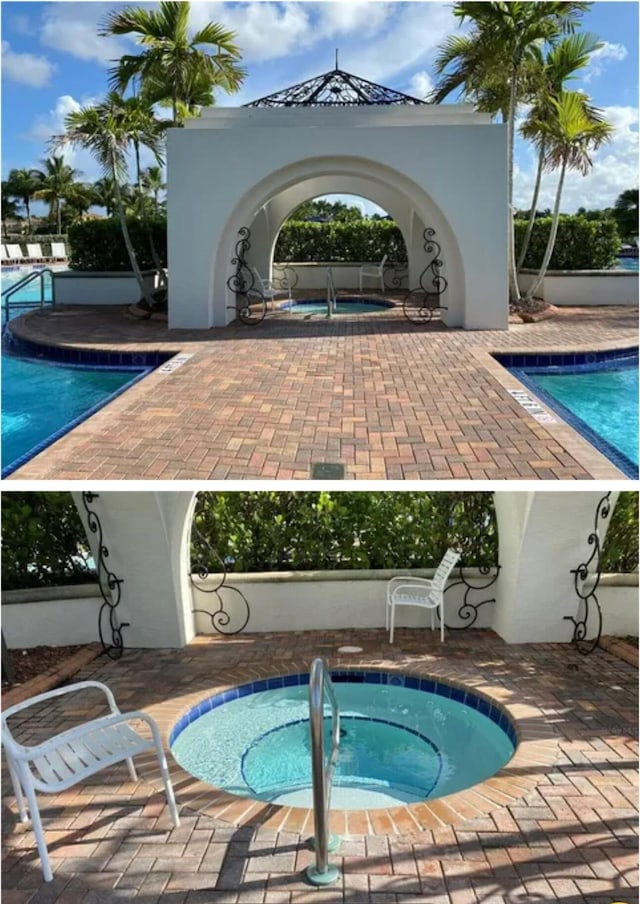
[
  {"x": 362, "y": 240},
  {"x": 581, "y": 244},
  {"x": 96, "y": 245}
]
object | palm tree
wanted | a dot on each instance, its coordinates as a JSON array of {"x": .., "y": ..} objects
[
  {"x": 58, "y": 183},
  {"x": 77, "y": 202},
  {"x": 104, "y": 130},
  {"x": 625, "y": 213},
  {"x": 172, "y": 62},
  {"x": 104, "y": 194},
  {"x": 21, "y": 185},
  {"x": 563, "y": 60},
  {"x": 9, "y": 208},
  {"x": 153, "y": 182},
  {"x": 575, "y": 129},
  {"x": 144, "y": 128},
  {"x": 502, "y": 42}
]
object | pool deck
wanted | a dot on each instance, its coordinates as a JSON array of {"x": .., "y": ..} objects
[
  {"x": 372, "y": 392},
  {"x": 564, "y": 830}
]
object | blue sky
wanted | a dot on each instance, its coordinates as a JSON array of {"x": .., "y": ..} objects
[{"x": 53, "y": 60}]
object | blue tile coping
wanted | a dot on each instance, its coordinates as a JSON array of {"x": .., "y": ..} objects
[{"x": 430, "y": 685}]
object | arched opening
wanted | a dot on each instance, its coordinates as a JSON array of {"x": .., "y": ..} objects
[{"x": 266, "y": 206}]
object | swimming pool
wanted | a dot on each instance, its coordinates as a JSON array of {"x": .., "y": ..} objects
[
  {"x": 626, "y": 263},
  {"x": 344, "y": 305},
  {"x": 29, "y": 296},
  {"x": 596, "y": 393},
  {"x": 42, "y": 400},
  {"x": 403, "y": 739}
]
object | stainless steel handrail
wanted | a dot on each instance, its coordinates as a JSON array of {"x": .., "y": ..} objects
[
  {"x": 320, "y": 686},
  {"x": 16, "y": 287},
  {"x": 331, "y": 293}
]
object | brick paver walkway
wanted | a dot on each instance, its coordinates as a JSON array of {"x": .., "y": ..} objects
[
  {"x": 374, "y": 393},
  {"x": 572, "y": 838}
]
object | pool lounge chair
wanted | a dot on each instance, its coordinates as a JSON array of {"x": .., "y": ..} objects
[
  {"x": 67, "y": 758},
  {"x": 4, "y": 255},
  {"x": 15, "y": 254},
  {"x": 59, "y": 251},
  {"x": 421, "y": 592},
  {"x": 35, "y": 255},
  {"x": 269, "y": 290}
]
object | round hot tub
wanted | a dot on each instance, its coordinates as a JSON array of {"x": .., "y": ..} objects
[
  {"x": 344, "y": 305},
  {"x": 403, "y": 739}
]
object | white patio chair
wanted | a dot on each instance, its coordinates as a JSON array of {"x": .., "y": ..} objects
[
  {"x": 374, "y": 272},
  {"x": 269, "y": 290},
  {"x": 4, "y": 255},
  {"x": 59, "y": 251},
  {"x": 71, "y": 756},
  {"x": 421, "y": 592},
  {"x": 34, "y": 254},
  {"x": 15, "y": 253}
]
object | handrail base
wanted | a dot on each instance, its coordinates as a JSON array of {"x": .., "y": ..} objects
[
  {"x": 333, "y": 843},
  {"x": 315, "y": 877}
]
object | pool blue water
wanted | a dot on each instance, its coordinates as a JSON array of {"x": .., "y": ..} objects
[
  {"x": 26, "y": 297},
  {"x": 626, "y": 263},
  {"x": 41, "y": 399},
  {"x": 605, "y": 400},
  {"x": 398, "y": 745},
  {"x": 343, "y": 306}
]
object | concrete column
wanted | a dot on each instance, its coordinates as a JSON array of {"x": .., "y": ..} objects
[
  {"x": 542, "y": 536},
  {"x": 147, "y": 536}
]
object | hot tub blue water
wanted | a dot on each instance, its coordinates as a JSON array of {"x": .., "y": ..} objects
[
  {"x": 404, "y": 739},
  {"x": 597, "y": 394},
  {"x": 626, "y": 263},
  {"x": 344, "y": 305}
]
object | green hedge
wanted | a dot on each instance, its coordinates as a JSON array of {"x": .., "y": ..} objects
[
  {"x": 96, "y": 245},
  {"x": 362, "y": 240},
  {"x": 620, "y": 553},
  {"x": 581, "y": 244},
  {"x": 275, "y": 531},
  {"x": 43, "y": 541}
]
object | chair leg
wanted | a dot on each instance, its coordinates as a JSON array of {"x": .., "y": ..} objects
[
  {"x": 17, "y": 790},
  {"x": 441, "y": 610},
  {"x": 38, "y": 831},
  {"x": 132, "y": 770},
  {"x": 392, "y": 619},
  {"x": 168, "y": 787},
  {"x": 433, "y": 619}
]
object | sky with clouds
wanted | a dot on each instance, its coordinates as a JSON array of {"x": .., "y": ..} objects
[{"x": 53, "y": 61}]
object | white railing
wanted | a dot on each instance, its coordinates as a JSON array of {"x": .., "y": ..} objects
[
  {"x": 331, "y": 294},
  {"x": 320, "y": 686}
]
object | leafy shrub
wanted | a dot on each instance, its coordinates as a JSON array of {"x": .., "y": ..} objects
[
  {"x": 96, "y": 245},
  {"x": 362, "y": 240},
  {"x": 43, "y": 541},
  {"x": 620, "y": 554},
  {"x": 274, "y": 531},
  {"x": 581, "y": 244}
]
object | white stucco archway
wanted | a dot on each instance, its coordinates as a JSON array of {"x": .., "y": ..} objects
[{"x": 438, "y": 166}]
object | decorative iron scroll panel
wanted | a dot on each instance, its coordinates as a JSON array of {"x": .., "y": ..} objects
[
  {"x": 468, "y": 611},
  {"x": 421, "y": 303},
  {"x": 221, "y": 617},
  {"x": 589, "y": 613},
  {"x": 251, "y": 305},
  {"x": 109, "y": 583}
]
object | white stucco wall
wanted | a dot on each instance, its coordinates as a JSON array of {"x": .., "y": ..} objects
[
  {"x": 76, "y": 287},
  {"x": 448, "y": 166},
  {"x": 586, "y": 287}
]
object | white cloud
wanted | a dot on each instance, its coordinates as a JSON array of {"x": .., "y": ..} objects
[
  {"x": 356, "y": 18},
  {"x": 26, "y": 68},
  {"x": 420, "y": 85},
  {"x": 52, "y": 123},
  {"x": 599, "y": 58},
  {"x": 615, "y": 168},
  {"x": 73, "y": 28}
]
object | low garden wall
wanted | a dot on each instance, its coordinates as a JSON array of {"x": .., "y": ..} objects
[
  {"x": 313, "y": 276},
  {"x": 283, "y": 601},
  {"x": 79, "y": 287},
  {"x": 576, "y": 288}
]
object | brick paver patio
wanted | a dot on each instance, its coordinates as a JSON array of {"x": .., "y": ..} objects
[
  {"x": 371, "y": 392},
  {"x": 570, "y": 837}
]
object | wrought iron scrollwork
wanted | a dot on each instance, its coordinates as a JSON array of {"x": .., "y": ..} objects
[
  {"x": 285, "y": 277},
  {"x": 222, "y": 617},
  {"x": 588, "y": 606},
  {"x": 421, "y": 303},
  {"x": 251, "y": 305},
  {"x": 468, "y": 611},
  {"x": 395, "y": 275},
  {"x": 109, "y": 583}
]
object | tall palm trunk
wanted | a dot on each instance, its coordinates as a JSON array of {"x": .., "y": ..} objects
[
  {"x": 514, "y": 291},
  {"x": 532, "y": 212},
  {"x": 59, "y": 216},
  {"x": 27, "y": 204},
  {"x": 136, "y": 148},
  {"x": 552, "y": 234},
  {"x": 144, "y": 291}
]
